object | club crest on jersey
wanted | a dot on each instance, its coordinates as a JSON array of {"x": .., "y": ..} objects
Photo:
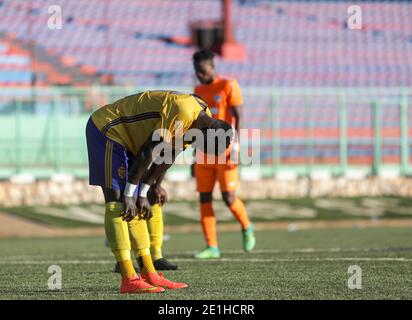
[
  {"x": 121, "y": 172},
  {"x": 217, "y": 98},
  {"x": 214, "y": 111}
]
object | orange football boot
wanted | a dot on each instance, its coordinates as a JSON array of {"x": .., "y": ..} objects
[
  {"x": 158, "y": 279},
  {"x": 138, "y": 285}
]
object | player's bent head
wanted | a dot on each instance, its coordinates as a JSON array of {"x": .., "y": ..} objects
[{"x": 217, "y": 137}]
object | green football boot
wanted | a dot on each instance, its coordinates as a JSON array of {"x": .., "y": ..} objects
[
  {"x": 208, "y": 253},
  {"x": 249, "y": 240}
]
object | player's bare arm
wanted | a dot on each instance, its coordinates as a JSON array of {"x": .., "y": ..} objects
[
  {"x": 234, "y": 110},
  {"x": 159, "y": 194},
  {"x": 136, "y": 172},
  {"x": 154, "y": 177}
]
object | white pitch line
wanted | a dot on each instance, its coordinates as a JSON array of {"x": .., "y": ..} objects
[
  {"x": 50, "y": 262},
  {"x": 400, "y": 259},
  {"x": 302, "y": 250},
  {"x": 256, "y": 251},
  {"x": 80, "y": 262}
]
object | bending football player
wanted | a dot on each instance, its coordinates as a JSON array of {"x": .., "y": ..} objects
[{"x": 126, "y": 143}]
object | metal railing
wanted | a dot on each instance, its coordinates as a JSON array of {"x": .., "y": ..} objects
[{"x": 302, "y": 129}]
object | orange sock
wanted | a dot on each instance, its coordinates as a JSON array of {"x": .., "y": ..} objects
[
  {"x": 239, "y": 211},
  {"x": 208, "y": 221}
]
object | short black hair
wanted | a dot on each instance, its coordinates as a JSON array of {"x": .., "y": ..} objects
[
  {"x": 219, "y": 124},
  {"x": 203, "y": 55}
]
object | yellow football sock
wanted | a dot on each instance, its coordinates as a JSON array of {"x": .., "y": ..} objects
[
  {"x": 140, "y": 242},
  {"x": 118, "y": 235},
  {"x": 155, "y": 225},
  {"x": 147, "y": 261},
  {"x": 126, "y": 267}
]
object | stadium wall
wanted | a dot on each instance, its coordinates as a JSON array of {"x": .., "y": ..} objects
[{"x": 58, "y": 191}]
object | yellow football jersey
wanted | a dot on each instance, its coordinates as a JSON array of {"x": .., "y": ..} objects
[{"x": 130, "y": 121}]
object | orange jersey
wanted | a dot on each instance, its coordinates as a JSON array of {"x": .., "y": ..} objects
[{"x": 221, "y": 95}]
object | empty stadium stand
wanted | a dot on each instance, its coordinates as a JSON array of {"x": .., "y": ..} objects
[{"x": 289, "y": 44}]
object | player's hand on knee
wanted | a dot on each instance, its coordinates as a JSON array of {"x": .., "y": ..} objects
[
  {"x": 143, "y": 207},
  {"x": 157, "y": 195},
  {"x": 129, "y": 212},
  {"x": 160, "y": 195}
]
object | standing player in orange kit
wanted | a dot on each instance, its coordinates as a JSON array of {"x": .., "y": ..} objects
[{"x": 223, "y": 97}]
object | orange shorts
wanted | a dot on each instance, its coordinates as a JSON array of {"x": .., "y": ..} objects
[{"x": 207, "y": 174}]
